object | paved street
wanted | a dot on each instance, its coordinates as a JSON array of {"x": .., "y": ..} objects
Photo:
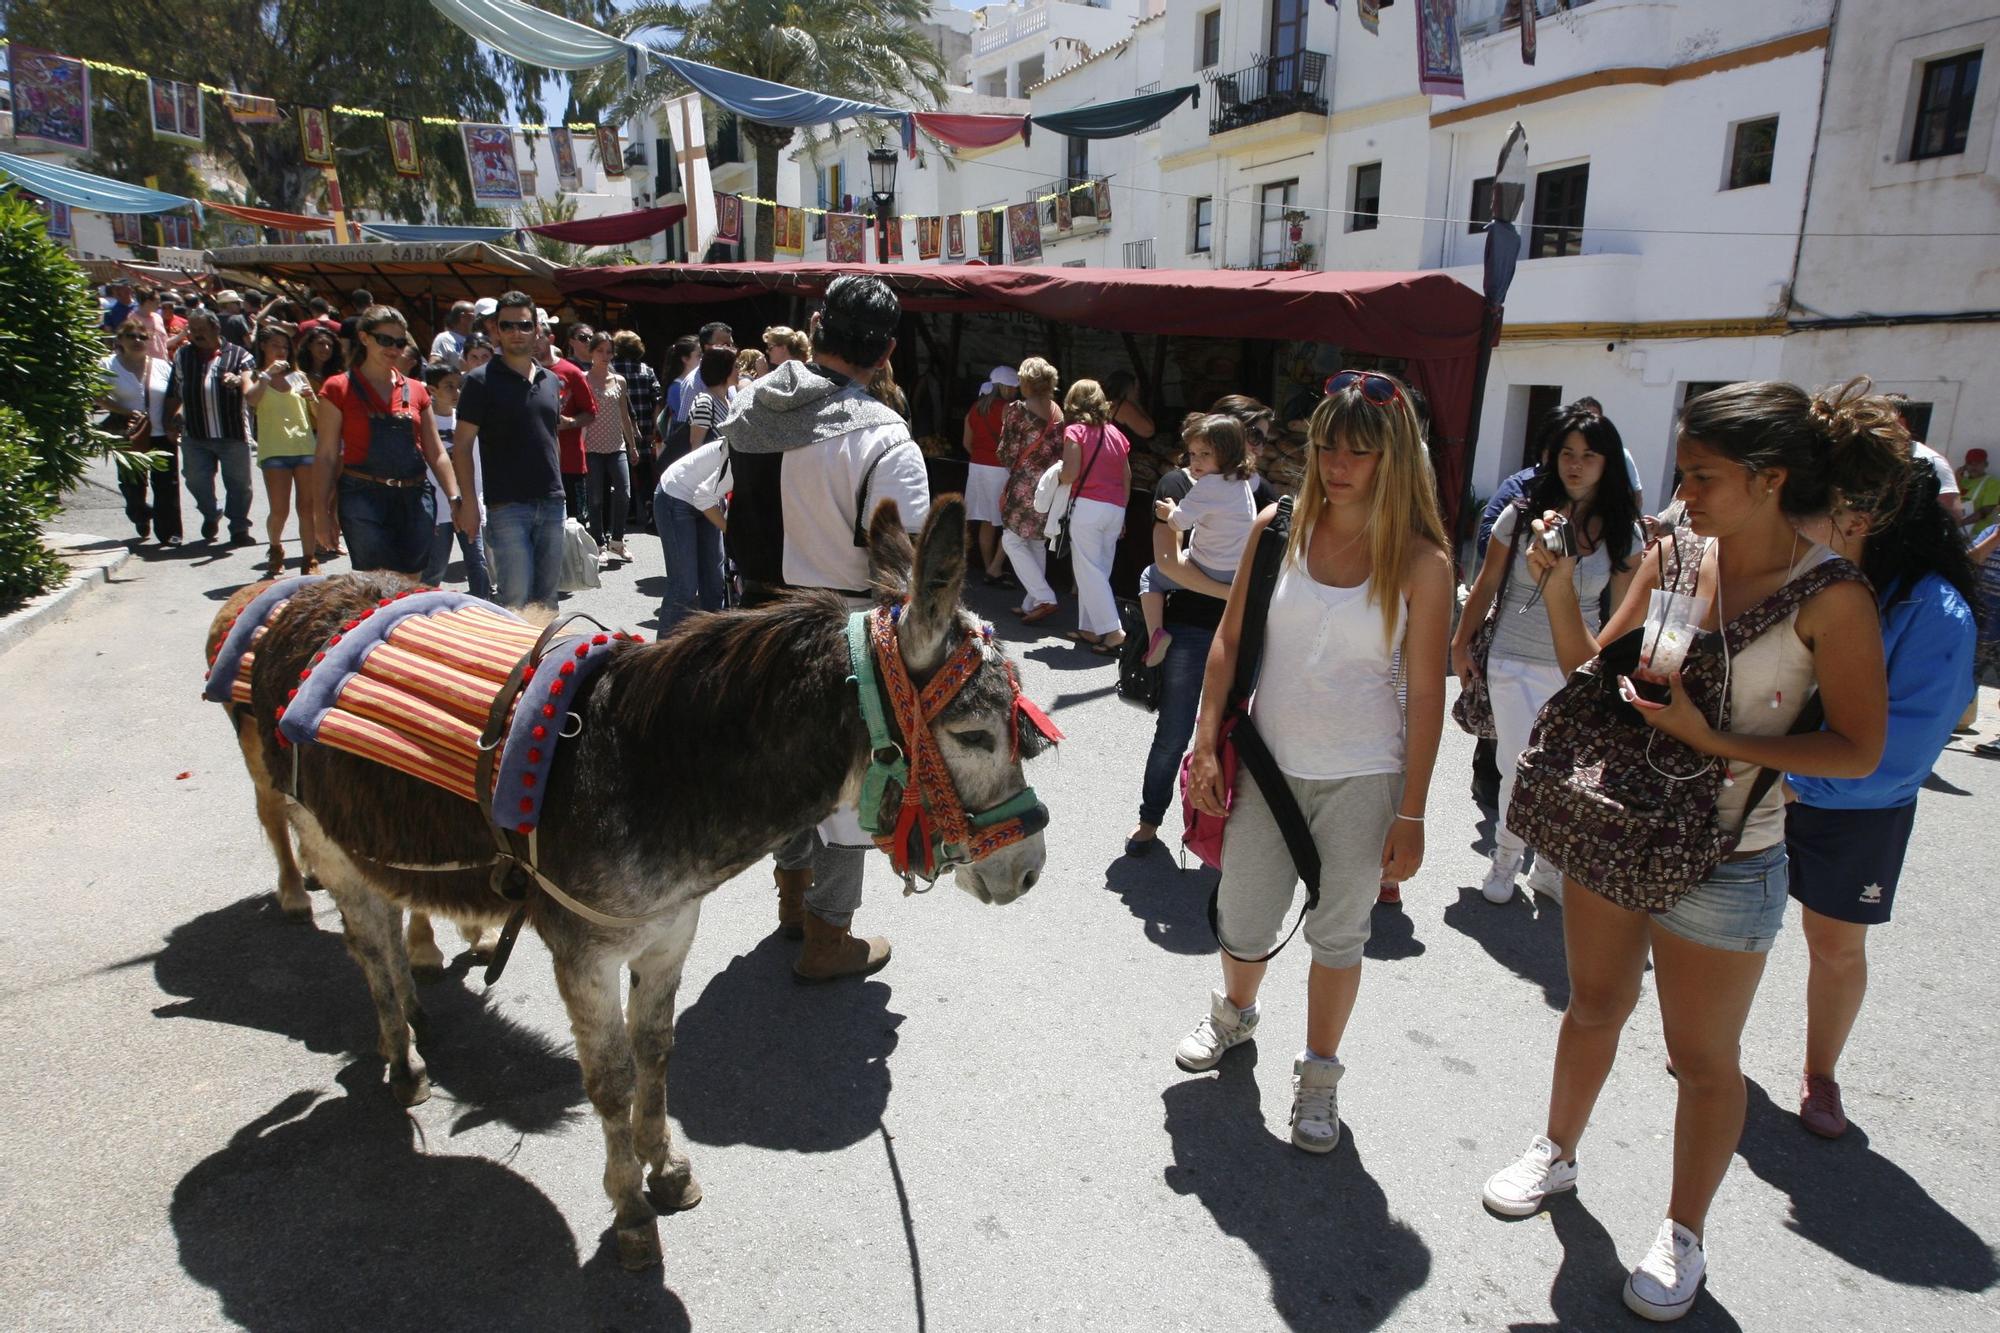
[{"x": 990, "y": 1134}]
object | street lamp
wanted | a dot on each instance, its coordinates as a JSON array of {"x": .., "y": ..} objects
[{"x": 882, "y": 183}]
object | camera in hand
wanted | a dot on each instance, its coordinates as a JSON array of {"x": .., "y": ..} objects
[{"x": 1558, "y": 538}]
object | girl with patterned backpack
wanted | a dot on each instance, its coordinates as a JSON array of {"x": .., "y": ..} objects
[{"x": 1656, "y": 791}]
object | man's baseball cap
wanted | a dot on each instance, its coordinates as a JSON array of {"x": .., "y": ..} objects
[
  {"x": 484, "y": 307},
  {"x": 1975, "y": 456}
]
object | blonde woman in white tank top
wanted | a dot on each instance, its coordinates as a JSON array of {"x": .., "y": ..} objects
[
  {"x": 1365, "y": 577},
  {"x": 1756, "y": 460}
]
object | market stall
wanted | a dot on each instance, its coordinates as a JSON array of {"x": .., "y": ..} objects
[{"x": 420, "y": 278}]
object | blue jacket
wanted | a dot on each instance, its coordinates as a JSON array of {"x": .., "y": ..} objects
[
  {"x": 1514, "y": 488},
  {"x": 1927, "y": 640}
]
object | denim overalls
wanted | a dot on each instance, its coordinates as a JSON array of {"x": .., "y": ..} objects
[{"x": 386, "y": 509}]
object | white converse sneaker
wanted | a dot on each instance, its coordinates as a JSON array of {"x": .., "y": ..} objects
[
  {"x": 1225, "y": 1026},
  {"x": 1316, "y": 1104},
  {"x": 1667, "y": 1280},
  {"x": 1499, "y": 884},
  {"x": 1520, "y": 1190},
  {"x": 618, "y": 549},
  {"x": 1546, "y": 880}
]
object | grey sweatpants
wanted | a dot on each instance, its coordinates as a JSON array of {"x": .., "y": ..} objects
[
  {"x": 1349, "y": 819},
  {"x": 835, "y": 894}
]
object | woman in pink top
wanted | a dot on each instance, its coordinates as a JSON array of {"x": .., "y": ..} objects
[{"x": 1097, "y": 467}]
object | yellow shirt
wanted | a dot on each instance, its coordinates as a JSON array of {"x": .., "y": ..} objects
[{"x": 285, "y": 420}]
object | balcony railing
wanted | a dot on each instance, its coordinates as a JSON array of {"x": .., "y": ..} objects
[
  {"x": 1139, "y": 254},
  {"x": 1024, "y": 24},
  {"x": 1267, "y": 90},
  {"x": 1146, "y": 91},
  {"x": 1082, "y": 202}
]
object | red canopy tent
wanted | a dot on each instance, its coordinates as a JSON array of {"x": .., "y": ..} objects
[{"x": 1430, "y": 320}]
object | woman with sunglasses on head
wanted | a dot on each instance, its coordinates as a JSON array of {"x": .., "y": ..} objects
[
  {"x": 320, "y": 357},
  {"x": 1584, "y": 480},
  {"x": 1365, "y": 580},
  {"x": 611, "y": 451},
  {"x": 135, "y": 396},
  {"x": 283, "y": 399},
  {"x": 1757, "y": 460},
  {"x": 377, "y": 438}
]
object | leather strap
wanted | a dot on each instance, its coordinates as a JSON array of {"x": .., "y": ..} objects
[{"x": 396, "y": 483}]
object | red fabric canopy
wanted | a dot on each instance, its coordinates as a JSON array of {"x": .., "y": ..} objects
[
  {"x": 972, "y": 131},
  {"x": 617, "y": 229},
  {"x": 268, "y": 217}
]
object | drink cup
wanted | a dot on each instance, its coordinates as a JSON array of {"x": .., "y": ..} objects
[{"x": 1672, "y": 622}]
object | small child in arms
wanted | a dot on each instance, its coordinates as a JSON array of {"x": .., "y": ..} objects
[{"x": 1217, "y": 510}]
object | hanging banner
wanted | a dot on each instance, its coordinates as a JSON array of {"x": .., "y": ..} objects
[
  {"x": 176, "y": 111},
  {"x": 729, "y": 218},
  {"x": 489, "y": 160},
  {"x": 930, "y": 237},
  {"x": 682, "y": 117},
  {"x": 845, "y": 238},
  {"x": 1371, "y": 16},
  {"x": 1024, "y": 231},
  {"x": 125, "y": 229},
  {"x": 238, "y": 233},
  {"x": 1440, "y": 71},
  {"x": 610, "y": 157},
  {"x": 893, "y": 232},
  {"x": 51, "y": 99},
  {"x": 954, "y": 236},
  {"x": 336, "y": 206},
  {"x": 403, "y": 147},
  {"x": 1103, "y": 201},
  {"x": 988, "y": 223},
  {"x": 177, "y": 231},
  {"x": 1062, "y": 211},
  {"x": 56, "y": 219},
  {"x": 315, "y": 136},
  {"x": 1528, "y": 32},
  {"x": 791, "y": 231},
  {"x": 246, "y": 109},
  {"x": 563, "y": 144}
]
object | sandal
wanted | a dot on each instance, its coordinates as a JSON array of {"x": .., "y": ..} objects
[
  {"x": 274, "y": 561},
  {"x": 1989, "y": 749},
  {"x": 1104, "y": 649}
]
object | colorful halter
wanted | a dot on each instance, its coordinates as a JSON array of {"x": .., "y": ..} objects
[{"x": 909, "y": 805}]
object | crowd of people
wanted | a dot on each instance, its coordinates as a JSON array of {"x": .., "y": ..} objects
[{"x": 1827, "y": 575}]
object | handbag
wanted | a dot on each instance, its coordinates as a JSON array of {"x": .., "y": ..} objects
[
  {"x": 1059, "y": 544},
  {"x": 1202, "y": 833},
  {"x": 579, "y": 558},
  {"x": 1473, "y": 709},
  {"x": 1627, "y": 811},
  {"x": 1138, "y": 684}
]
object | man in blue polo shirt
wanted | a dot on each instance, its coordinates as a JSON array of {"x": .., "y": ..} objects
[{"x": 511, "y": 407}]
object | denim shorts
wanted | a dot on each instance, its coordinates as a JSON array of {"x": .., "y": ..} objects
[
  {"x": 1740, "y": 908},
  {"x": 286, "y": 461}
]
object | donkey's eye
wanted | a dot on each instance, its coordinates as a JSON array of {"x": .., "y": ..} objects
[{"x": 979, "y": 740}]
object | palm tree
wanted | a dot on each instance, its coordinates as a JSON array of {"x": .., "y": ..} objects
[{"x": 868, "y": 50}]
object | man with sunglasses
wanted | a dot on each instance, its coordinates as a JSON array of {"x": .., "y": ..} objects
[
  {"x": 205, "y": 401},
  {"x": 511, "y": 409}
]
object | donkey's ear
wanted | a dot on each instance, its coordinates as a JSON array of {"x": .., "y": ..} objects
[
  {"x": 890, "y": 554},
  {"x": 940, "y": 576}
]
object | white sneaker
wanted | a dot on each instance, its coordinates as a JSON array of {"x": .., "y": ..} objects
[
  {"x": 1498, "y": 886},
  {"x": 618, "y": 549},
  {"x": 1546, "y": 880},
  {"x": 1225, "y": 1026},
  {"x": 1520, "y": 1190},
  {"x": 1667, "y": 1280},
  {"x": 1316, "y": 1104}
]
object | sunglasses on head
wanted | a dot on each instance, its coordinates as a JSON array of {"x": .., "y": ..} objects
[
  {"x": 1377, "y": 389},
  {"x": 517, "y": 325},
  {"x": 390, "y": 342}
]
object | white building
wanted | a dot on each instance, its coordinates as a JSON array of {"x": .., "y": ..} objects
[{"x": 1016, "y": 46}]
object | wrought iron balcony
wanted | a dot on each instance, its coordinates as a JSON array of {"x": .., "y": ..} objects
[
  {"x": 1267, "y": 90},
  {"x": 1139, "y": 254},
  {"x": 1082, "y": 202}
]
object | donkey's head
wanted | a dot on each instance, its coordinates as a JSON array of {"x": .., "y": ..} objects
[{"x": 981, "y": 734}]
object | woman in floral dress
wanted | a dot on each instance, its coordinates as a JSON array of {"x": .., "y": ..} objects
[{"x": 1030, "y": 440}]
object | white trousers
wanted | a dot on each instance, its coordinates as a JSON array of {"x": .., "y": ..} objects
[
  {"x": 1030, "y": 559},
  {"x": 1093, "y": 538},
  {"x": 1518, "y": 691}
]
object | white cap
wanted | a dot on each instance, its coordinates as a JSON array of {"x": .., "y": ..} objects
[
  {"x": 543, "y": 317},
  {"x": 224, "y": 298},
  {"x": 485, "y": 306},
  {"x": 1006, "y": 375},
  {"x": 986, "y": 388}
]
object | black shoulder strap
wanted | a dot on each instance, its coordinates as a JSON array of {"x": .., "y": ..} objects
[
  {"x": 861, "y": 493},
  {"x": 1264, "y": 569}
]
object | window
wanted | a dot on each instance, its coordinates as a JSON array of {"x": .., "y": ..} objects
[
  {"x": 1752, "y": 145},
  {"x": 1479, "y": 209},
  {"x": 1076, "y": 158},
  {"x": 1208, "y": 39},
  {"x": 1288, "y": 30},
  {"x": 1201, "y": 225},
  {"x": 829, "y": 185},
  {"x": 1027, "y": 74},
  {"x": 1366, "y": 197},
  {"x": 1559, "y": 198},
  {"x": 1944, "y": 106},
  {"x": 1917, "y": 416},
  {"x": 1273, "y": 231}
]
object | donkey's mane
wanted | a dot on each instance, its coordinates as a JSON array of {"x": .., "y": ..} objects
[{"x": 730, "y": 662}]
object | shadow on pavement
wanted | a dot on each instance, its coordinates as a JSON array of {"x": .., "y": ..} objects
[
  {"x": 1523, "y": 935},
  {"x": 327, "y": 1213},
  {"x": 249, "y": 966},
  {"x": 1173, "y": 903},
  {"x": 1589, "y": 1286},
  {"x": 1319, "y": 1225},
  {"x": 1392, "y": 935},
  {"x": 1856, "y": 1204},
  {"x": 761, "y": 1060}
]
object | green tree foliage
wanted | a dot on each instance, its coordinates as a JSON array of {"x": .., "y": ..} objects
[
  {"x": 868, "y": 50},
  {"x": 399, "y": 56}
]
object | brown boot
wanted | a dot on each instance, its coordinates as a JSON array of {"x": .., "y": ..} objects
[
  {"x": 831, "y": 951},
  {"x": 792, "y": 886}
]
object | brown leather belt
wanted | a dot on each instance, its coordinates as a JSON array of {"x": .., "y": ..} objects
[{"x": 395, "y": 483}]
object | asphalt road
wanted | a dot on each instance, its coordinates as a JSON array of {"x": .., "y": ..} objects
[{"x": 991, "y": 1134}]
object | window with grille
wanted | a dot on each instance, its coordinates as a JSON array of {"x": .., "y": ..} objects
[
  {"x": 1752, "y": 146},
  {"x": 1273, "y": 242},
  {"x": 1209, "y": 39},
  {"x": 1366, "y": 198},
  {"x": 1201, "y": 225},
  {"x": 1944, "y": 105},
  {"x": 1559, "y": 198}
]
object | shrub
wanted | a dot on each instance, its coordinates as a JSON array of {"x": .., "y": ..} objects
[{"x": 27, "y": 566}]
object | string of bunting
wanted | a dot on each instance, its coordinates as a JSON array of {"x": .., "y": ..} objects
[{"x": 917, "y": 217}]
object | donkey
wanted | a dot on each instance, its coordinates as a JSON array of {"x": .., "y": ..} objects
[{"x": 697, "y": 756}]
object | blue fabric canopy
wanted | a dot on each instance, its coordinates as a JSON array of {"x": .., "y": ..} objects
[
  {"x": 401, "y": 231},
  {"x": 80, "y": 189},
  {"x": 533, "y": 35},
  {"x": 770, "y": 103},
  {"x": 1115, "y": 120}
]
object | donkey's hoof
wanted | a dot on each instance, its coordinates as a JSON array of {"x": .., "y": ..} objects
[
  {"x": 675, "y": 1190},
  {"x": 639, "y": 1247},
  {"x": 427, "y": 973},
  {"x": 412, "y": 1087},
  {"x": 296, "y": 906}
]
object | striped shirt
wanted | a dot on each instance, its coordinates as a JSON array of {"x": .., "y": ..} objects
[{"x": 211, "y": 409}]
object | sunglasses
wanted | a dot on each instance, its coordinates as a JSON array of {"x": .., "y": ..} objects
[
  {"x": 389, "y": 343},
  {"x": 133, "y": 338},
  {"x": 517, "y": 325},
  {"x": 1377, "y": 389}
]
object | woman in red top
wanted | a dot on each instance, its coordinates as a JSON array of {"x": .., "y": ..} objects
[
  {"x": 1097, "y": 467},
  {"x": 377, "y": 436},
  {"x": 985, "y": 477}
]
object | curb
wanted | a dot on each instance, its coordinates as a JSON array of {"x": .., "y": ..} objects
[{"x": 91, "y": 560}]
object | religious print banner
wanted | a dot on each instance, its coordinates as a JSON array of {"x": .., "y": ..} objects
[
  {"x": 988, "y": 223},
  {"x": 1062, "y": 211},
  {"x": 1528, "y": 31},
  {"x": 1371, "y": 16},
  {"x": 247, "y": 109},
  {"x": 125, "y": 229},
  {"x": 176, "y": 111},
  {"x": 316, "y": 136},
  {"x": 791, "y": 231},
  {"x": 1104, "y": 202},
  {"x": 1024, "y": 231},
  {"x": 954, "y": 236},
  {"x": 930, "y": 237},
  {"x": 844, "y": 238},
  {"x": 609, "y": 155},
  {"x": 51, "y": 99},
  {"x": 238, "y": 233},
  {"x": 895, "y": 236},
  {"x": 55, "y": 218},
  {"x": 176, "y": 231},
  {"x": 729, "y": 218},
  {"x": 1440, "y": 71},
  {"x": 563, "y": 144},
  {"x": 403, "y": 147},
  {"x": 489, "y": 159}
]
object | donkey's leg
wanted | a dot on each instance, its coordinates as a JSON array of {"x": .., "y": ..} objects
[
  {"x": 481, "y": 941},
  {"x": 292, "y": 899},
  {"x": 649, "y": 1018},
  {"x": 587, "y": 974},
  {"x": 426, "y": 959}
]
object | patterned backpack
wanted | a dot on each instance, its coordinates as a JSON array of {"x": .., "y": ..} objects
[{"x": 1628, "y": 811}]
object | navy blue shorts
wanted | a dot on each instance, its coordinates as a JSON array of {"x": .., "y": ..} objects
[{"x": 1845, "y": 863}]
